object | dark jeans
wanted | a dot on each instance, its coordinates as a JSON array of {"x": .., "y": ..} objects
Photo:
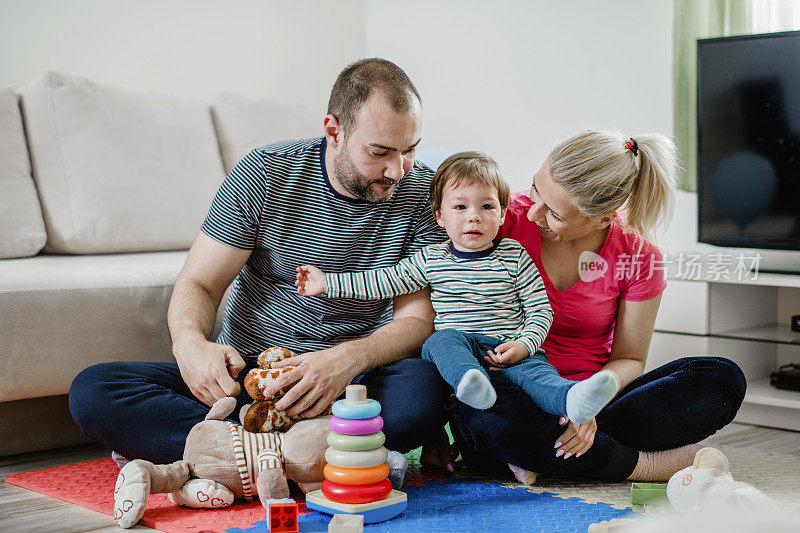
[
  {"x": 145, "y": 410},
  {"x": 679, "y": 403}
]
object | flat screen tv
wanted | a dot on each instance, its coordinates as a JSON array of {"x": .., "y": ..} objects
[{"x": 748, "y": 117}]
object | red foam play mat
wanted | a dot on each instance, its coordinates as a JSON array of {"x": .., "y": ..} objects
[{"x": 91, "y": 484}]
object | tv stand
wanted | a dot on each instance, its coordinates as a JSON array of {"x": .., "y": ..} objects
[{"x": 747, "y": 321}]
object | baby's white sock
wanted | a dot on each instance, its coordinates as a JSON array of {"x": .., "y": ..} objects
[
  {"x": 475, "y": 390},
  {"x": 586, "y": 398}
]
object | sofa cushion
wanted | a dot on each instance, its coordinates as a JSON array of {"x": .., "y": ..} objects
[
  {"x": 118, "y": 170},
  {"x": 61, "y": 314},
  {"x": 21, "y": 225},
  {"x": 244, "y": 123}
]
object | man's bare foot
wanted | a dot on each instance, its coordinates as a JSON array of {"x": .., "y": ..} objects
[{"x": 438, "y": 452}]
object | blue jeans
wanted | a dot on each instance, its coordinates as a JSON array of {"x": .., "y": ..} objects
[
  {"x": 679, "y": 403},
  {"x": 454, "y": 352},
  {"x": 145, "y": 410}
]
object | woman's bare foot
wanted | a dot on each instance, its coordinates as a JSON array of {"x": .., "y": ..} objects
[
  {"x": 659, "y": 466},
  {"x": 522, "y": 475}
]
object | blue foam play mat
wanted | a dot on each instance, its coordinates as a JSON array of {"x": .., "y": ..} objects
[{"x": 456, "y": 504}]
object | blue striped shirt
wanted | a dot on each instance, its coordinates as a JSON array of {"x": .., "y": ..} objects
[
  {"x": 279, "y": 203},
  {"x": 497, "y": 292}
]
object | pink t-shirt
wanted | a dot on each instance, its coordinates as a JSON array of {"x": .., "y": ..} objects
[{"x": 579, "y": 341}]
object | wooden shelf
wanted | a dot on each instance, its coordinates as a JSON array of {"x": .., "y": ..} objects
[
  {"x": 779, "y": 333},
  {"x": 764, "y": 405},
  {"x": 762, "y": 393},
  {"x": 770, "y": 280}
]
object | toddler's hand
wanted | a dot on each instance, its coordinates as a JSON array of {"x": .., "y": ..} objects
[
  {"x": 310, "y": 281},
  {"x": 506, "y": 354}
]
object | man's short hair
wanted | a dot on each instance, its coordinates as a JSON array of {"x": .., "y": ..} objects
[
  {"x": 468, "y": 168},
  {"x": 356, "y": 83}
]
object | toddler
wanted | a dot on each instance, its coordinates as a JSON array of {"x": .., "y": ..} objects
[{"x": 491, "y": 306}]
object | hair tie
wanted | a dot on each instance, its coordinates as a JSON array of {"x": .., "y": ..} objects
[{"x": 632, "y": 146}]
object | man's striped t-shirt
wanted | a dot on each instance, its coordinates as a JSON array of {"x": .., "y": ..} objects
[
  {"x": 279, "y": 203},
  {"x": 497, "y": 292}
]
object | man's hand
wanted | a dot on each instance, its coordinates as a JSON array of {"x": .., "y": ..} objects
[
  {"x": 209, "y": 369},
  {"x": 506, "y": 354},
  {"x": 318, "y": 379},
  {"x": 310, "y": 281},
  {"x": 577, "y": 439}
]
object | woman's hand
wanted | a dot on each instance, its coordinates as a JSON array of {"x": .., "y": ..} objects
[
  {"x": 310, "y": 281},
  {"x": 506, "y": 354},
  {"x": 577, "y": 439}
]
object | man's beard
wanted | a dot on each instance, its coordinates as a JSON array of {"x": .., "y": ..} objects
[{"x": 357, "y": 183}]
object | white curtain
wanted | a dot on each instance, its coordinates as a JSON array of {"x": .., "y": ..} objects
[
  {"x": 775, "y": 15},
  {"x": 700, "y": 19}
]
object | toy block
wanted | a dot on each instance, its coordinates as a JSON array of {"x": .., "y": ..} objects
[
  {"x": 282, "y": 517},
  {"x": 346, "y": 523},
  {"x": 650, "y": 508},
  {"x": 617, "y": 525},
  {"x": 649, "y": 494}
]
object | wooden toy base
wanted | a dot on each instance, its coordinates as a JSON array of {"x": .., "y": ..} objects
[{"x": 372, "y": 512}]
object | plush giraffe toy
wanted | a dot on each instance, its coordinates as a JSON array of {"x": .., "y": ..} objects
[{"x": 261, "y": 416}]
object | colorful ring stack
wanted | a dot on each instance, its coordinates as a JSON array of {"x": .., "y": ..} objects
[
  {"x": 356, "y": 471},
  {"x": 356, "y": 476}
]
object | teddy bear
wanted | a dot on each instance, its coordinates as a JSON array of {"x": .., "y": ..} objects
[
  {"x": 708, "y": 487},
  {"x": 222, "y": 461},
  {"x": 261, "y": 416}
]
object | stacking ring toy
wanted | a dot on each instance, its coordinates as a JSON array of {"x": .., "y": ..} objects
[
  {"x": 356, "y": 443},
  {"x": 356, "y": 493},
  {"x": 356, "y": 427},
  {"x": 356, "y": 411},
  {"x": 356, "y": 476},
  {"x": 356, "y": 459}
]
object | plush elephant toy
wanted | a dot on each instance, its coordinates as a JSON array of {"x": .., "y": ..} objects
[
  {"x": 222, "y": 461},
  {"x": 708, "y": 487}
]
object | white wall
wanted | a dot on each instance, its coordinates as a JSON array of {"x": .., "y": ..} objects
[
  {"x": 510, "y": 77},
  {"x": 284, "y": 50},
  {"x": 514, "y": 77}
]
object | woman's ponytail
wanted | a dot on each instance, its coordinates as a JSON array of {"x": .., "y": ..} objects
[
  {"x": 650, "y": 203},
  {"x": 604, "y": 171}
]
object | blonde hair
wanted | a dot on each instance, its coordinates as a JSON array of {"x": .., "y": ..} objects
[
  {"x": 468, "y": 168},
  {"x": 602, "y": 175}
]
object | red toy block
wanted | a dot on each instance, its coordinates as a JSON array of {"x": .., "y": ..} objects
[{"x": 283, "y": 518}]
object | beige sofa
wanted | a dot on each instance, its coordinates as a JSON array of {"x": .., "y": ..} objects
[{"x": 102, "y": 189}]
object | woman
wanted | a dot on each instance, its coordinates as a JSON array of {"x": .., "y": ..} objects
[{"x": 589, "y": 222}]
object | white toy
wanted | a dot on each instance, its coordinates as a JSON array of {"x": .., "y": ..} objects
[
  {"x": 707, "y": 486},
  {"x": 346, "y": 523}
]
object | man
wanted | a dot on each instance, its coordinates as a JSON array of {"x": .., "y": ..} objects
[{"x": 351, "y": 200}]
